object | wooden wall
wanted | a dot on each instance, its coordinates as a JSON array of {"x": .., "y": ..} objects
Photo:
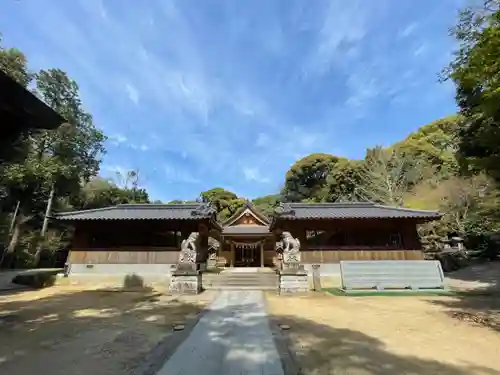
[
  {"x": 124, "y": 256},
  {"x": 84, "y": 252},
  {"x": 359, "y": 227}
]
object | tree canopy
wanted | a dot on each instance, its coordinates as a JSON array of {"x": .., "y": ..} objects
[{"x": 475, "y": 70}]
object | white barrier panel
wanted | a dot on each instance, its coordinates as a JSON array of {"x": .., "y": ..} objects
[{"x": 392, "y": 274}]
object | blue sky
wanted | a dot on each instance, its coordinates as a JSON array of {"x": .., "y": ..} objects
[{"x": 200, "y": 94}]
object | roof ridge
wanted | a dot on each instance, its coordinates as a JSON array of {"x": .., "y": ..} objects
[
  {"x": 405, "y": 209},
  {"x": 132, "y": 205},
  {"x": 337, "y": 204},
  {"x": 160, "y": 205},
  {"x": 86, "y": 210}
]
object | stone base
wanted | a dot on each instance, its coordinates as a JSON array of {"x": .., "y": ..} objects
[
  {"x": 292, "y": 266},
  {"x": 293, "y": 281},
  {"x": 185, "y": 282}
]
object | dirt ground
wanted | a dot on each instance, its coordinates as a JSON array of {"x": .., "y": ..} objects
[
  {"x": 70, "y": 330},
  {"x": 386, "y": 335}
]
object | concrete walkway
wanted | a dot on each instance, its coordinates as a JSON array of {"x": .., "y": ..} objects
[{"x": 232, "y": 338}]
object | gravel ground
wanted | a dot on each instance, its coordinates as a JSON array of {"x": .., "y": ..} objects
[
  {"x": 67, "y": 330},
  {"x": 384, "y": 336}
]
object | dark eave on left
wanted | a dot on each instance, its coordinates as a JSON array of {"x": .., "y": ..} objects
[
  {"x": 21, "y": 110},
  {"x": 144, "y": 211}
]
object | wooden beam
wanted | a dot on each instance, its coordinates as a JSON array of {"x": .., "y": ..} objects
[
  {"x": 232, "y": 254},
  {"x": 261, "y": 255}
]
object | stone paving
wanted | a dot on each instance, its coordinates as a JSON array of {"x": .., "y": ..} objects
[{"x": 232, "y": 338}]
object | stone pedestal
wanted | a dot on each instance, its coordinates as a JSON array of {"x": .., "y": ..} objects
[
  {"x": 185, "y": 282},
  {"x": 293, "y": 280}
]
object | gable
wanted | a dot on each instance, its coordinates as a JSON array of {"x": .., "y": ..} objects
[
  {"x": 247, "y": 218},
  {"x": 247, "y": 215}
]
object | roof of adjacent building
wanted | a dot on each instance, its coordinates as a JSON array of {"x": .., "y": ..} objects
[
  {"x": 145, "y": 211},
  {"x": 21, "y": 109},
  {"x": 356, "y": 210}
]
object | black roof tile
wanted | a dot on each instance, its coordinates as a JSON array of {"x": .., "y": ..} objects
[
  {"x": 357, "y": 210},
  {"x": 142, "y": 212}
]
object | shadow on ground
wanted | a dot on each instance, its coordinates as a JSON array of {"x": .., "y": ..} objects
[
  {"x": 479, "y": 299},
  {"x": 97, "y": 332},
  {"x": 344, "y": 351},
  {"x": 89, "y": 332}
]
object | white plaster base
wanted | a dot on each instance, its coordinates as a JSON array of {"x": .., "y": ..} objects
[
  {"x": 294, "y": 282},
  {"x": 189, "y": 283}
]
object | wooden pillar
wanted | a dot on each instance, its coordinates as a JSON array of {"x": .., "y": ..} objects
[
  {"x": 261, "y": 255},
  {"x": 232, "y": 255}
]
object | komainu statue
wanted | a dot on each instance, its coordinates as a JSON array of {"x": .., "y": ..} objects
[
  {"x": 189, "y": 248},
  {"x": 291, "y": 248}
]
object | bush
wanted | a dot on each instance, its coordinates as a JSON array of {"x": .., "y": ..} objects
[{"x": 40, "y": 279}]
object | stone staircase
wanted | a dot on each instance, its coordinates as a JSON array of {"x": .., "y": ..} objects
[{"x": 241, "y": 279}]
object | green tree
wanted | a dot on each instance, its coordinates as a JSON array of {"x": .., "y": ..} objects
[
  {"x": 307, "y": 178},
  {"x": 56, "y": 162},
  {"x": 476, "y": 73},
  {"x": 344, "y": 181},
  {"x": 267, "y": 204},
  {"x": 99, "y": 193},
  {"x": 225, "y": 202},
  {"x": 434, "y": 145},
  {"x": 14, "y": 63}
]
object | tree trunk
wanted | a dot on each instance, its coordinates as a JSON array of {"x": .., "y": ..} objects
[
  {"x": 43, "y": 232},
  {"x": 8, "y": 255}
]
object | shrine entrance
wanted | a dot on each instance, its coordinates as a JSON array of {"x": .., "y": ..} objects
[{"x": 246, "y": 256}]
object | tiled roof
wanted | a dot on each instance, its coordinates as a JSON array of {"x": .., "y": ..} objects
[
  {"x": 348, "y": 211},
  {"x": 246, "y": 229},
  {"x": 142, "y": 212}
]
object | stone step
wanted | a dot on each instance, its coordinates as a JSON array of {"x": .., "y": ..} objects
[
  {"x": 241, "y": 281},
  {"x": 231, "y": 277},
  {"x": 230, "y": 287},
  {"x": 242, "y": 284},
  {"x": 249, "y": 279}
]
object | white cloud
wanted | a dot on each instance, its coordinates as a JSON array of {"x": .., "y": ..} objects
[
  {"x": 117, "y": 139},
  {"x": 141, "y": 147},
  {"x": 175, "y": 174},
  {"x": 363, "y": 87},
  {"x": 341, "y": 24},
  {"x": 422, "y": 48},
  {"x": 262, "y": 140},
  {"x": 115, "y": 173},
  {"x": 132, "y": 93},
  {"x": 254, "y": 174},
  {"x": 408, "y": 30}
]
